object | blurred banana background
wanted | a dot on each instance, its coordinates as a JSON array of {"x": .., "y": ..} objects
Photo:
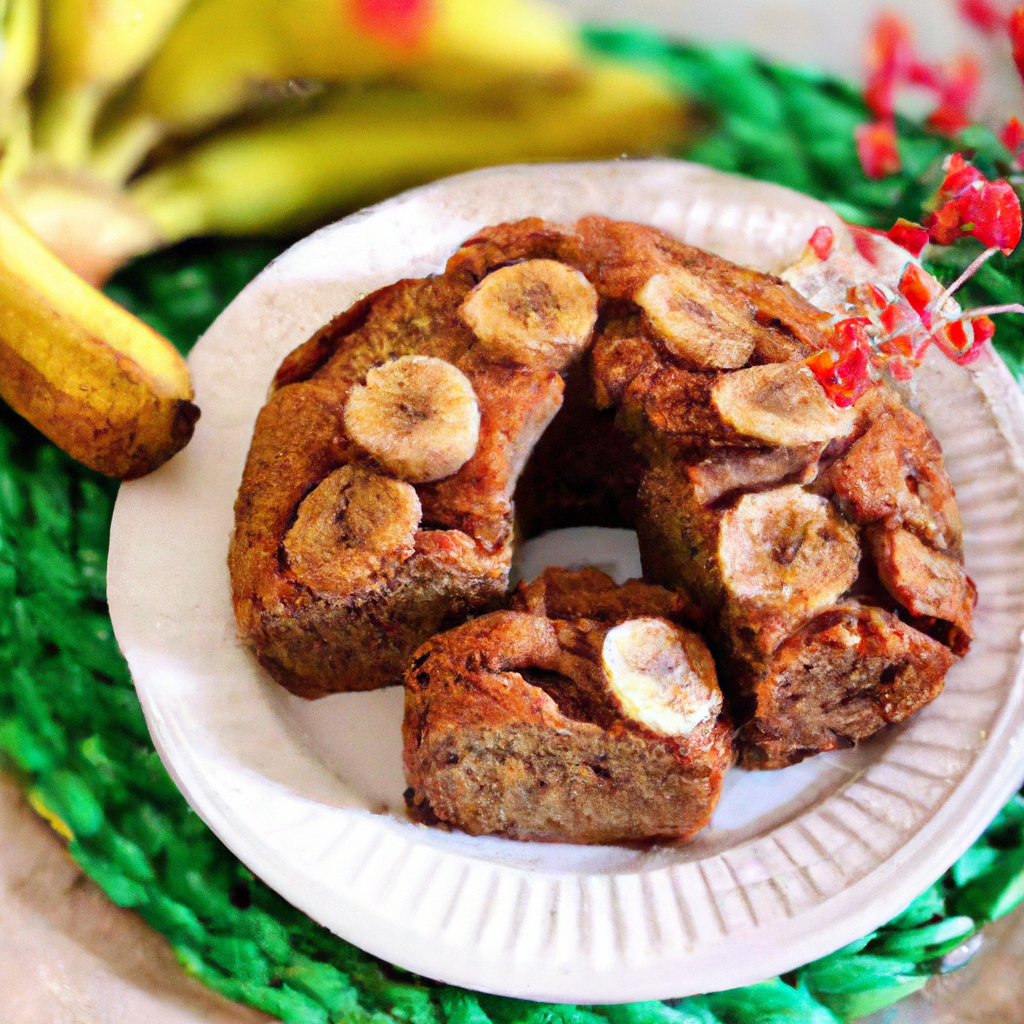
[{"x": 128, "y": 125}]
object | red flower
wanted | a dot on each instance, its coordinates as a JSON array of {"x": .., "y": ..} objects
[
  {"x": 960, "y": 175},
  {"x": 944, "y": 224},
  {"x": 957, "y": 90},
  {"x": 892, "y": 61},
  {"x": 968, "y": 203},
  {"x": 890, "y": 56},
  {"x": 401, "y": 23},
  {"x": 844, "y": 368},
  {"x": 876, "y": 149},
  {"x": 983, "y": 15},
  {"x": 915, "y": 288},
  {"x": 1012, "y": 137},
  {"x": 912, "y": 237},
  {"x": 1015, "y": 27},
  {"x": 993, "y": 211},
  {"x": 947, "y": 120},
  {"x": 821, "y": 241},
  {"x": 962, "y": 82}
]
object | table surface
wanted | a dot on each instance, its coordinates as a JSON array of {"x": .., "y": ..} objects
[{"x": 68, "y": 956}]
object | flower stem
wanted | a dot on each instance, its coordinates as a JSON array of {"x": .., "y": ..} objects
[{"x": 976, "y": 264}]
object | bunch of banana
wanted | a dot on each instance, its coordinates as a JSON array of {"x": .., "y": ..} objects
[
  {"x": 130, "y": 124},
  {"x": 153, "y": 119}
]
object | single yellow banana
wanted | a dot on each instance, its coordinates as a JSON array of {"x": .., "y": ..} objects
[
  {"x": 109, "y": 390},
  {"x": 92, "y": 47},
  {"x": 360, "y": 147},
  {"x": 224, "y": 55}
]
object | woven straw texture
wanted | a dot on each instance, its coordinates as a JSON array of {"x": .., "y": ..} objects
[{"x": 72, "y": 733}]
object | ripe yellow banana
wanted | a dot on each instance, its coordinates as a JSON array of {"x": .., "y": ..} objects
[
  {"x": 110, "y": 391},
  {"x": 364, "y": 146},
  {"x": 224, "y": 55},
  {"x": 92, "y": 47}
]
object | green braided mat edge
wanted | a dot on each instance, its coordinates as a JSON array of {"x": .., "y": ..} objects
[{"x": 73, "y": 735}]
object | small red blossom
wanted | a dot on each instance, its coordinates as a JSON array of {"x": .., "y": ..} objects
[
  {"x": 993, "y": 211},
  {"x": 876, "y": 149},
  {"x": 892, "y": 61},
  {"x": 916, "y": 288},
  {"x": 943, "y": 225},
  {"x": 983, "y": 15},
  {"x": 821, "y": 241},
  {"x": 956, "y": 90},
  {"x": 1015, "y": 27},
  {"x": 960, "y": 175},
  {"x": 910, "y": 236},
  {"x": 968, "y": 203},
  {"x": 1012, "y": 137},
  {"x": 947, "y": 120},
  {"x": 961, "y": 82},
  {"x": 890, "y": 57},
  {"x": 400, "y": 23},
  {"x": 844, "y": 368}
]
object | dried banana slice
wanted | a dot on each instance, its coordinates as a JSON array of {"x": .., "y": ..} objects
[
  {"x": 787, "y": 549},
  {"x": 418, "y": 416},
  {"x": 537, "y": 313},
  {"x": 780, "y": 403},
  {"x": 661, "y": 675},
  {"x": 353, "y": 527},
  {"x": 696, "y": 321}
]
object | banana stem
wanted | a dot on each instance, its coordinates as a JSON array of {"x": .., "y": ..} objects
[
  {"x": 119, "y": 153},
  {"x": 66, "y": 120},
  {"x": 16, "y": 143},
  {"x": 18, "y": 57}
]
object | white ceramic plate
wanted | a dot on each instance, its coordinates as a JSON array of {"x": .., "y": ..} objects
[{"x": 795, "y": 863}]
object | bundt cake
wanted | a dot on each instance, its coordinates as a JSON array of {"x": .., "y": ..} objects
[
  {"x": 622, "y": 378},
  {"x": 597, "y": 721}
]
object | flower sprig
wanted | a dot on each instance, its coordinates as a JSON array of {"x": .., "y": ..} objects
[
  {"x": 894, "y": 63},
  {"x": 888, "y": 331}
]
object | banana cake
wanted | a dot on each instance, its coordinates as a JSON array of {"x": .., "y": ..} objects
[{"x": 602, "y": 373}]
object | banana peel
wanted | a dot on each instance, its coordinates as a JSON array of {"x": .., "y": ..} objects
[
  {"x": 288, "y": 173},
  {"x": 98, "y": 382}
]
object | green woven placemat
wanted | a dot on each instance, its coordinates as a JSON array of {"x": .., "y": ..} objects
[{"x": 72, "y": 732}]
